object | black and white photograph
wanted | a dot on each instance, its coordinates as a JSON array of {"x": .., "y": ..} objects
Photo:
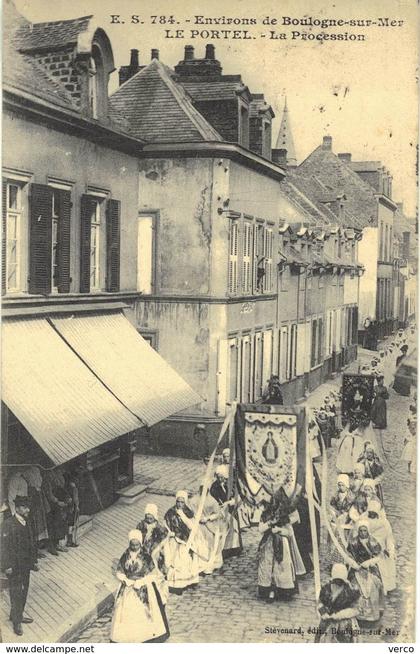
[{"x": 209, "y": 304}]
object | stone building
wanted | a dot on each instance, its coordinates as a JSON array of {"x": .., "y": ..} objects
[
  {"x": 366, "y": 193},
  {"x": 78, "y": 381},
  {"x": 223, "y": 235}
]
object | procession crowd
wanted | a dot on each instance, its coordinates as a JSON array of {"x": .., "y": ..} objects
[{"x": 168, "y": 554}]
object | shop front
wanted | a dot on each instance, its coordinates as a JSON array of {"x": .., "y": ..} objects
[{"x": 76, "y": 390}]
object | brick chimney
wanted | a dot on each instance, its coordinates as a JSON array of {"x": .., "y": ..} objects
[
  {"x": 154, "y": 54},
  {"x": 126, "y": 72},
  {"x": 210, "y": 51},
  {"x": 207, "y": 68},
  {"x": 327, "y": 143},
  {"x": 345, "y": 156}
]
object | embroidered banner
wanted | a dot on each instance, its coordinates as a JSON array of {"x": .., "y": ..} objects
[
  {"x": 357, "y": 398},
  {"x": 270, "y": 449}
]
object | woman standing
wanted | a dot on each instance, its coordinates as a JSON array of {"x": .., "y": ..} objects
[
  {"x": 409, "y": 450},
  {"x": 350, "y": 448},
  {"x": 378, "y": 411},
  {"x": 365, "y": 551},
  {"x": 139, "y": 615},
  {"x": 279, "y": 560},
  {"x": 182, "y": 561},
  {"x": 338, "y": 607}
]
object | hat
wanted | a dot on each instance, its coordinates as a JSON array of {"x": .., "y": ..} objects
[
  {"x": 22, "y": 500},
  {"x": 374, "y": 506},
  {"x": 344, "y": 479},
  {"x": 339, "y": 571},
  {"x": 223, "y": 471},
  {"x": 181, "y": 495},
  {"x": 151, "y": 509},
  {"x": 135, "y": 534},
  {"x": 226, "y": 450}
]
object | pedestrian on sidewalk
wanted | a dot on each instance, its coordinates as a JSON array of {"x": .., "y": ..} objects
[
  {"x": 18, "y": 487},
  {"x": 60, "y": 503},
  {"x": 139, "y": 615},
  {"x": 73, "y": 513},
  {"x": 37, "y": 520},
  {"x": 17, "y": 561}
]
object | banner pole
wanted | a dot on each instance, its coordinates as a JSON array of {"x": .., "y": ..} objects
[
  {"x": 229, "y": 419},
  {"x": 312, "y": 521}
]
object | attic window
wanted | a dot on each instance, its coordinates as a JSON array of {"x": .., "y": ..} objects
[
  {"x": 244, "y": 127},
  {"x": 96, "y": 84},
  {"x": 93, "y": 88}
]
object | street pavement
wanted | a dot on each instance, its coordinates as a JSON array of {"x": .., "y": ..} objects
[{"x": 224, "y": 607}]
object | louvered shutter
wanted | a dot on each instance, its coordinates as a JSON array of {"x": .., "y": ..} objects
[
  {"x": 3, "y": 236},
  {"x": 63, "y": 252},
  {"x": 255, "y": 254},
  {"x": 246, "y": 259},
  {"x": 113, "y": 212},
  {"x": 87, "y": 206},
  {"x": 233, "y": 258},
  {"x": 40, "y": 246}
]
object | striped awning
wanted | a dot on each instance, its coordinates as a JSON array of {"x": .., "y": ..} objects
[
  {"x": 128, "y": 366},
  {"x": 60, "y": 402}
]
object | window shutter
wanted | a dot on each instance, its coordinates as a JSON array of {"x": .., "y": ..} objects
[
  {"x": 64, "y": 213},
  {"x": 113, "y": 211},
  {"x": 3, "y": 236},
  {"x": 40, "y": 239},
  {"x": 87, "y": 206},
  {"x": 233, "y": 258},
  {"x": 246, "y": 260}
]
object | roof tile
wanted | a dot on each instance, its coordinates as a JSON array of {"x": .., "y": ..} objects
[{"x": 153, "y": 107}]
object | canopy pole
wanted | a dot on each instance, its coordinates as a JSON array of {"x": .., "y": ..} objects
[{"x": 310, "y": 495}]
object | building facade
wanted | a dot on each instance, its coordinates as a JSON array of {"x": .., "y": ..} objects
[
  {"x": 70, "y": 206},
  {"x": 234, "y": 280}
]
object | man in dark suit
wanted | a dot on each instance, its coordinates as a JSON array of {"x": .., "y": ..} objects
[{"x": 17, "y": 561}]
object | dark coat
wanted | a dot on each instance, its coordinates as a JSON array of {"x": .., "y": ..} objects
[
  {"x": 175, "y": 523},
  {"x": 219, "y": 491},
  {"x": 16, "y": 547},
  {"x": 378, "y": 411}
]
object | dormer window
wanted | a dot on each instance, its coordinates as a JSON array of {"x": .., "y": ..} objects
[
  {"x": 244, "y": 127},
  {"x": 93, "y": 88},
  {"x": 98, "y": 68}
]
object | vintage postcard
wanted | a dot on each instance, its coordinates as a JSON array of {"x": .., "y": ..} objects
[{"x": 209, "y": 340}]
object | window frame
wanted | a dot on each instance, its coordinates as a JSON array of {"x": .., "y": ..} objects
[
  {"x": 154, "y": 214},
  {"x": 17, "y": 214}
]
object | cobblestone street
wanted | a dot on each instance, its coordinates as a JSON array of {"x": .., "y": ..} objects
[{"x": 229, "y": 596}]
